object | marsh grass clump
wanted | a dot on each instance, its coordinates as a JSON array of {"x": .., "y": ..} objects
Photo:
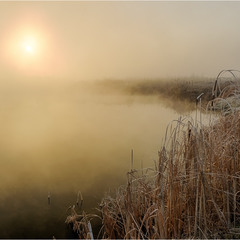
[
  {"x": 194, "y": 190},
  {"x": 80, "y": 223},
  {"x": 176, "y": 93},
  {"x": 167, "y": 90},
  {"x": 192, "y": 193},
  {"x": 226, "y": 92}
]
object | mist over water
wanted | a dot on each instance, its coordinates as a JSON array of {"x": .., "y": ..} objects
[
  {"x": 68, "y": 139},
  {"x": 61, "y": 132}
]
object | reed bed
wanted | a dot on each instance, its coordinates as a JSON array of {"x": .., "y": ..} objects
[
  {"x": 194, "y": 190},
  {"x": 192, "y": 193},
  {"x": 167, "y": 90},
  {"x": 226, "y": 92}
]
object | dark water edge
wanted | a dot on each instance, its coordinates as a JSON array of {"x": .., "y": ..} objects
[{"x": 32, "y": 217}]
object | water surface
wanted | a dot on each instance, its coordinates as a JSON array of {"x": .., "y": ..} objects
[{"x": 64, "y": 140}]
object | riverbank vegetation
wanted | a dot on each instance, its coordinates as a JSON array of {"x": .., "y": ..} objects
[
  {"x": 181, "y": 89},
  {"x": 193, "y": 191}
]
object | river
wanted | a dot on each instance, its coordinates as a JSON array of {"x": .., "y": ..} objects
[{"x": 58, "y": 141}]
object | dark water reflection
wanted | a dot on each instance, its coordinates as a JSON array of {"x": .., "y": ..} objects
[{"x": 62, "y": 141}]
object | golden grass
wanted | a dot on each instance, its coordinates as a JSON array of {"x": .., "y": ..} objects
[
  {"x": 194, "y": 189},
  {"x": 194, "y": 192}
]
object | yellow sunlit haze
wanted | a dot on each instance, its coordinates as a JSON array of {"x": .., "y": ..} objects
[
  {"x": 24, "y": 50},
  {"x": 29, "y": 45},
  {"x": 30, "y": 50}
]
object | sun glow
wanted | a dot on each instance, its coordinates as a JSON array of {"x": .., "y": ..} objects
[
  {"x": 29, "y": 50},
  {"x": 29, "y": 45},
  {"x": 25, "y": 49}
]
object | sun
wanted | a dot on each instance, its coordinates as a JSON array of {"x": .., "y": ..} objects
[
  {"x": 29, "y": 45},
  {"x": 29, "y": 48}
]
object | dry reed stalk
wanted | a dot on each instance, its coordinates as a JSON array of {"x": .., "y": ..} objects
[
  {"x": 81, "y": 223},
  {"x": 79, "y": 198}
]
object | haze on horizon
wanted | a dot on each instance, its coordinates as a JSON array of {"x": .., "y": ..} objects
[{"x": 123, "y": 40}]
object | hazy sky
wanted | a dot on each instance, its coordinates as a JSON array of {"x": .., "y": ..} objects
[{"x": 98, "y": 40}]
